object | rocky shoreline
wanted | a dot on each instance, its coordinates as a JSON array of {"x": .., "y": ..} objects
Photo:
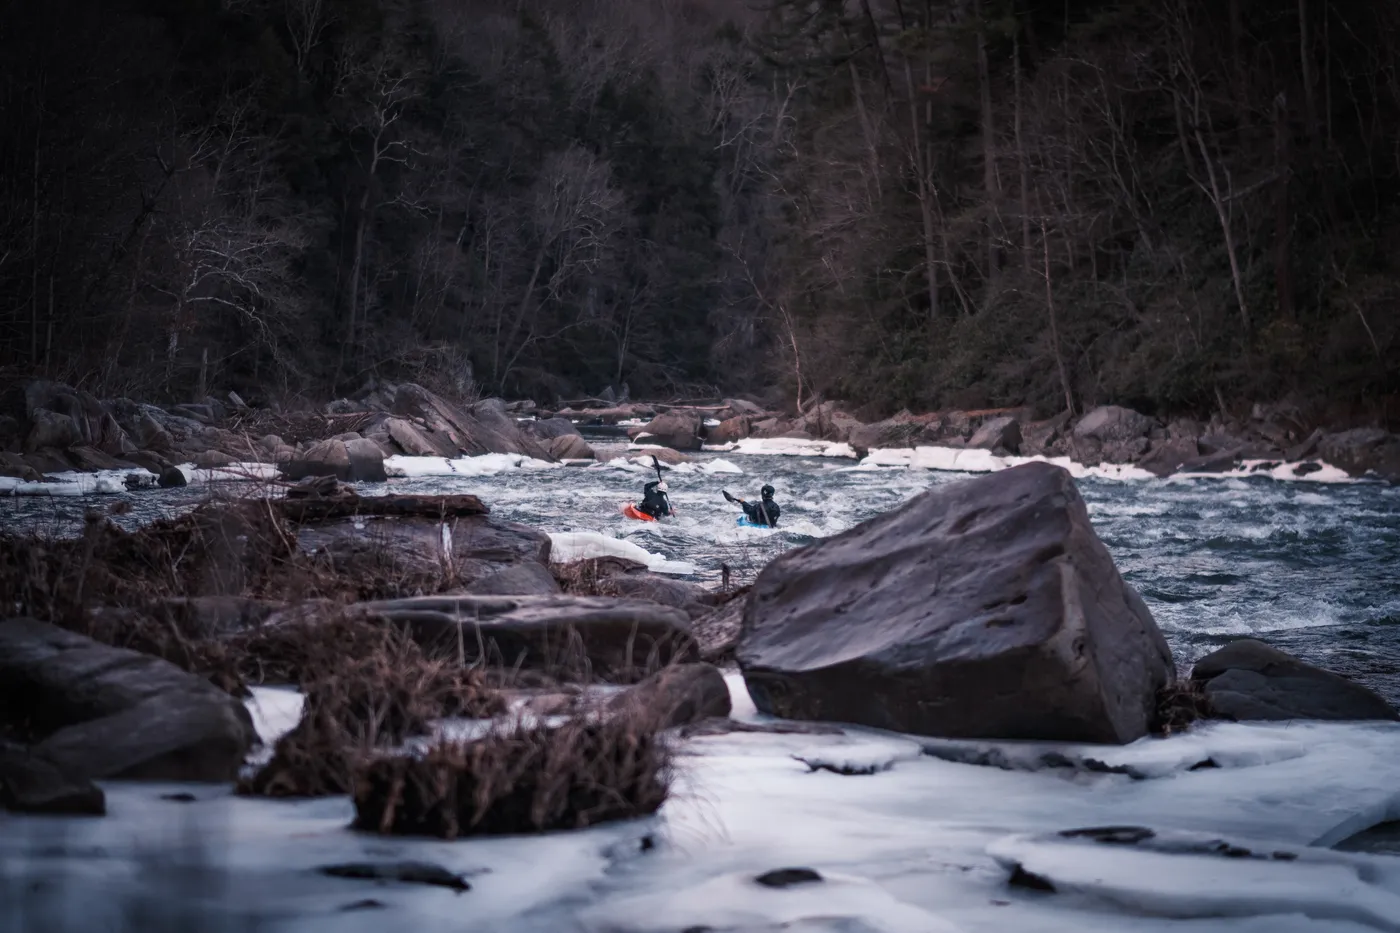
[
  {"x": 48, "y": 428},
  {"x": 127, "y": 651}
]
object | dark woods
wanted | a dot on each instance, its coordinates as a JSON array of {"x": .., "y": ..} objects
[{"x": 1174, "y": 204}]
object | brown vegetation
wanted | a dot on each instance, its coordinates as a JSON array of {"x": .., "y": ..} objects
[
  {"x": 367, "y": 686},
  {"x": 518, "y": 780}
]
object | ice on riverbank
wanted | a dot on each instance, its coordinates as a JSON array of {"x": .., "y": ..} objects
[
  {"x": 919, "y": 844},
  {"x": 102, "y": 482},
  {"x": 569, "y": 546},
  {"x": 786, "y": 447},
  {"x": 644, "y": 465},
  {"x": 483, "y": 465}
]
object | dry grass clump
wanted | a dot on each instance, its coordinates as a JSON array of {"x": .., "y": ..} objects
[
  {"x": 519, "y": 780},
  {"x": 592, "y": 576},
  {"x": 372, "y": 687},
  {"x": 1180, "y": 704}
]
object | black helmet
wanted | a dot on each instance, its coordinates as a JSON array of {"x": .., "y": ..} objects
[{"x": 767, "y": 492}]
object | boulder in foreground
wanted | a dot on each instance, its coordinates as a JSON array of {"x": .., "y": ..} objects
[
  {"x": 981, "y": 609},
  {"x": 97, "y": 712},
  {"x": 1248, "y": 679}
]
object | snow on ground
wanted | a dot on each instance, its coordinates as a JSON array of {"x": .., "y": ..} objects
[
  {"x": 922, "y": 844},
  {"x": 976, "y": 460},
  {"x": 102, "y": 482},
  {"x": 233, "y": 473},
  {"x": 483, "y": 465},
  {"x": 785, "y": 447},
  {"x": 569, "y": 546}
]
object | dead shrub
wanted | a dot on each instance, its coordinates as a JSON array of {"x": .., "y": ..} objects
[
  {"x": 518, "y": 780},
  {"x": 1180, "y": 704},
  {"x": 372, "y": 688}
]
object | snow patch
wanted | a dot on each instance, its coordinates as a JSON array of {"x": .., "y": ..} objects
[
  {"x": 786, "y": 447},
  {"x": 243, "y": 472},
  {"x": 569, "y": 546},
  {"x": 739, "y": 902},
  {"x": 72, "y": 483},
  {"x": 977, "y": 460},
  {"x": 1196, "y": 876},
  {"x": 483, "y": 465},
  {"x": 859, "y": 757}
]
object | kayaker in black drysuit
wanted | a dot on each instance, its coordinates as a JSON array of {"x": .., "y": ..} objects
[
  {"x": 654, "y": 500},
  {"x": 760, "y": 513}
]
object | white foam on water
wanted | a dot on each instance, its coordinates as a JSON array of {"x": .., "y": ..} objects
[{"x": 482, "y": 465}]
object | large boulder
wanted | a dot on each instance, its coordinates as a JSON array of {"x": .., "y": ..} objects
[
  {"x": 96, "y": 711},
  {"x": 51, "y": 429},
  {"x": 484, "y": 428},
  {"x": 1248, "y": 679},
  {"x": 679, "y": 430},
  {"x": 676, "y": 696},
  {"x": 356, "y": 460},
  {"x": 981, "y": 609},
  {"x": 1363, "y": 450},
  {"x": 1171, "y": 455},
  {"x": 547, "y": 429},
  {"x": 729, "y": 430},
  {"x": 617, "y": 639},
  {"x": 569, "y": 447},
  {"x": 1111, "y": 433},
  {"x": 999, "y": 434}
]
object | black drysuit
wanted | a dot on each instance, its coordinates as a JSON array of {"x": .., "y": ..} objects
[
  {"x": 762, "y": 513},
  {"x": 654, "y": 501}
]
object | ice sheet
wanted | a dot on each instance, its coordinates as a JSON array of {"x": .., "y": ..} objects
[
  {"x": 483, "y": 465},
  {"x": 71, "y": 483},
  {"x": 570, "y": 546}
]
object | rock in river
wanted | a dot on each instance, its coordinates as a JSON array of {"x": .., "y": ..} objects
[
  {"x": 986, "y": 608},
  {"x": 103, "y": 712},
  {"x": 617, "y": 639},
  {"x": 1248, "y": 679}
]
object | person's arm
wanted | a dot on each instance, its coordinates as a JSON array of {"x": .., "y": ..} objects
[{"x": 651, "y": 486}]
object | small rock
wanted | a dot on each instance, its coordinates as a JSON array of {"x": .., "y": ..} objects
[
  {"x": 171, "y": 478},
  {"x": 407, "y": 872},
  {"x": 788, "y": 877}
]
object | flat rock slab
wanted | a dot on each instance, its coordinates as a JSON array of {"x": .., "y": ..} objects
[
  {"x": 981, "y": 609},
  {"x": 103, "y": 712},
  {"x": 615, "y": 639},
  {"x": 1248, "y": 680}
]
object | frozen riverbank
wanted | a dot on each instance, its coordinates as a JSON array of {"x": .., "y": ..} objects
[{"x": 925, "y": 844}]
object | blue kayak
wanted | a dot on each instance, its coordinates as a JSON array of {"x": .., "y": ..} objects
[{"x": 743, "y": 520}]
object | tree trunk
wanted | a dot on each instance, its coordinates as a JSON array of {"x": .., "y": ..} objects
[
  {"x": 1283, "y": 228},
  {"x": 1021, "y": 162},
  {"x": 921, "y": 172},
  {"x": 989, "y": 162},
  {"x": 1054, "y": 323}
]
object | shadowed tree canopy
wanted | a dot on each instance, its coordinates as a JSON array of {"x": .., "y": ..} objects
[{"x": 1174, "y": 205}]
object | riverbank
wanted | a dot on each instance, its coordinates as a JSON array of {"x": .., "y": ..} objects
[{"x": 52, "y": 432}]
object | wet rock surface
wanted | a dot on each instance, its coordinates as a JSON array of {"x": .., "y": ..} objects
[{"x": 944, "y": 617}]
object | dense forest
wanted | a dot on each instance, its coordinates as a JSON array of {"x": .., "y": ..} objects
[{"x": 1172, "y": 204}]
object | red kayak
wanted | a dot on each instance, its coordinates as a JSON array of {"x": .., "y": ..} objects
[{"x": 631, "y": 511}]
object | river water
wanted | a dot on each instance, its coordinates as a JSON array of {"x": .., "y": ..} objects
[{"x": 1312, "y": 568}]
